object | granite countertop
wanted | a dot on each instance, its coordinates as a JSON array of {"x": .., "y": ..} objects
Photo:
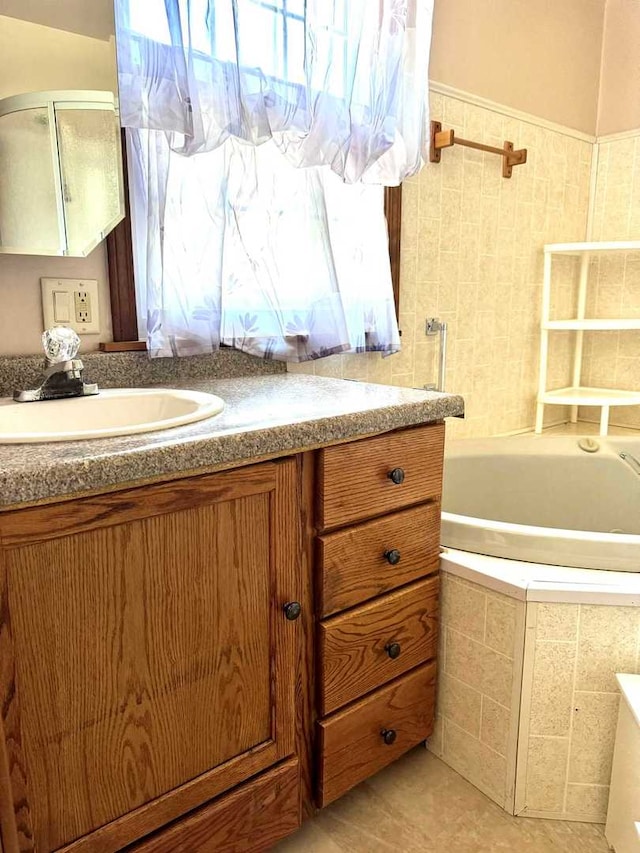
[{"x": 263, "y": 416}]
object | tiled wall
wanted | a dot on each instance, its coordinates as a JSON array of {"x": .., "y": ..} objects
[
  {"x": 471, "y": 255},
  {"x": 567, "y": 737},
  {"x": 479, "y": 686},
  {"x": 613, "y": 358}
]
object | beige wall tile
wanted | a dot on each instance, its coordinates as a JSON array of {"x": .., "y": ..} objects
[
  {"x": 608, "y": 641},
  {"x": 479, "y": 667},
  {"x": 556, "y": 621},
  {"x": 595, "y": 718},
  {"x": 552, "y": 688},
  {"x": 355, "y": 366},
  {"x": 546, "y": 773},
  {"x": 496, "y": 725},
  {"x": 472, "y": 254},
  {"x": 500, "y": 624},
  {"x": 460, "y": 703},
  {"x": 614, "y": 279},
  {"x": 331, "y": 366},
  {"x": 475, "y": 761},
  {"x": 435, "y": 741},
  {"x": 463, "y": 607},
  {"x": 469, "y": 584},
  {"x": 589, "y": 801}
]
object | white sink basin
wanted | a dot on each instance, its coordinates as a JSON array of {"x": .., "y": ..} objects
[{"x": 122, "y": 411}]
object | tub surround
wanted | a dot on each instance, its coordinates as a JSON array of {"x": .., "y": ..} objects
[
  {"x": 577, "y": 627},
  {"x": 542, "y": 582},
  {"x": 570, "y": 706},
  {"x": 572, "y": 630},
  {"x": 263, "y": 417},
  {"x": 481, "y": 647}
]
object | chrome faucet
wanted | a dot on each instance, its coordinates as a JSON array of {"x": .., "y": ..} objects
[{"x": 62, "y": 370}]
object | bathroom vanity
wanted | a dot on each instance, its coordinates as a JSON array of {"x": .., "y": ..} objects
[{"x": 196, "y": 659}]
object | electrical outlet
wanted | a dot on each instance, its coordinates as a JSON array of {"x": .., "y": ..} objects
[
  {"x": 82, "y": 305},
  {"x": 71, "y": 302}
]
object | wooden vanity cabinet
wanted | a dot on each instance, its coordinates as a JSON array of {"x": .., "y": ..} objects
[
  {"x": 158, "y": 694},
  {"x": 147, "y": 665}
]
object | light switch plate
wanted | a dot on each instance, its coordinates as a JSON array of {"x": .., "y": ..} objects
[{"x": 71, "y": 302}]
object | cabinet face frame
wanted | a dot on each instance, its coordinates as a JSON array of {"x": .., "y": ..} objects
[{"x": 26, "y": 529}]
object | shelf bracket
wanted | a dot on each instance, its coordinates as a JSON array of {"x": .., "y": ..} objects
[{"x": 447, "y": 138}]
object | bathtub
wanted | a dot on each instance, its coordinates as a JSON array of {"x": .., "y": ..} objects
[{"x": 544, "y": 499}]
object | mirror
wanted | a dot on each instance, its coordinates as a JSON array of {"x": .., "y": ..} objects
[{"x": 61, "y": 188}]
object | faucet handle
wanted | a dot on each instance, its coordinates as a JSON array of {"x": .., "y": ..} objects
[{"x": 60, "y": 344}]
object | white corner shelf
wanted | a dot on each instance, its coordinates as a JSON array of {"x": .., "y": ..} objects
[
  {"x": 592, "y": 325},
  {"x": 581, "y": 248},
  {"x": 577, "y": 395},
  {"x": 591, "y": 397}
]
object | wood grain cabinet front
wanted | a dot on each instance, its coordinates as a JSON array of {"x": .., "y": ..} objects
[
  {"x": 360, "y": 740},
  {"x": 378, "y": 475},
  {"x": 146, "y": 663},
  {"x": 378, "y": 553},
  {"x": 166, "y": 651},
  {"x": 367, "y": 560},
  {"x": 368, "y": 646},
  {"x": 248, "y": 820}
]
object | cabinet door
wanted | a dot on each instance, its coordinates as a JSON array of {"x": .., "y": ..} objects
[{"x": 146, "y": 664}]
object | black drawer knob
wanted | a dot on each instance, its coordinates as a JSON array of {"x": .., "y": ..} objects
[
  {"x": 389, "y": 736},
  {"x": 393, "y": 650},
  {"x": 292, "y": 610},
  {"x": 392, "y": 556},
  {"x": 396, "y": 476}
]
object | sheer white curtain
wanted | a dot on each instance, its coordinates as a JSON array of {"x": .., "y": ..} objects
[{"x": 260, "y": 136}]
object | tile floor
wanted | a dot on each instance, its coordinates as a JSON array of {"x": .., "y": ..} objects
[{"x": 420, "y": 805}]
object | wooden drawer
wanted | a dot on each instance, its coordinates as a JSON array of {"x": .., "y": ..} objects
[
  {"x": 352, "y": 744},
  {"x": 359, "y": 563},
  {"x": 248, "y": 820},
  {"x": 354, "y": 647},
  {"x": 354, "y": 482}
]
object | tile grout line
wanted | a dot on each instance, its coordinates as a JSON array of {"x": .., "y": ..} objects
[
  {"x": 573, "y": 712},
  {"x": 477, "y": 739}
]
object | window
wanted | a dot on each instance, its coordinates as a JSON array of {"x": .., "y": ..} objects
[
  {"x": 213, "y": 94},
  {"x": 122, "y": 287}
]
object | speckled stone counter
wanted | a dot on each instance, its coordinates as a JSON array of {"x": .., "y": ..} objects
[
  {"x": 137, "y": 370},
  {"x": 264, "y": 416}
]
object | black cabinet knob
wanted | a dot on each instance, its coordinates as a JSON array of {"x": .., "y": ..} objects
[
  {"x": 292, "y": 610},
  {"x": 389, "y": 736},
  {"x": 393, "y": 650},
  {"x": 396, "y": 476},
  {"x": 392, "y": 556}
]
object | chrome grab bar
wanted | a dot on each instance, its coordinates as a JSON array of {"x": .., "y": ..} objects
[
  {"x": 631, "y": 460},
  {"x": 435, "y": 327}
]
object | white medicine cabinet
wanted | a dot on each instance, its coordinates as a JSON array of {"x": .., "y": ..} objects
[{"x": 61, "y": 188}]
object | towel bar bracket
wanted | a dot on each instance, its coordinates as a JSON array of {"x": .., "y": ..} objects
[{"x": 447, "y": 138}]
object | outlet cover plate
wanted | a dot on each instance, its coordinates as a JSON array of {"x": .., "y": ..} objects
[{"x": 61, "y": 298}]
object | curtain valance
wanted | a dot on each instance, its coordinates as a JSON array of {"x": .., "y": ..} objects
[{"x": 338, "y": 83}]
